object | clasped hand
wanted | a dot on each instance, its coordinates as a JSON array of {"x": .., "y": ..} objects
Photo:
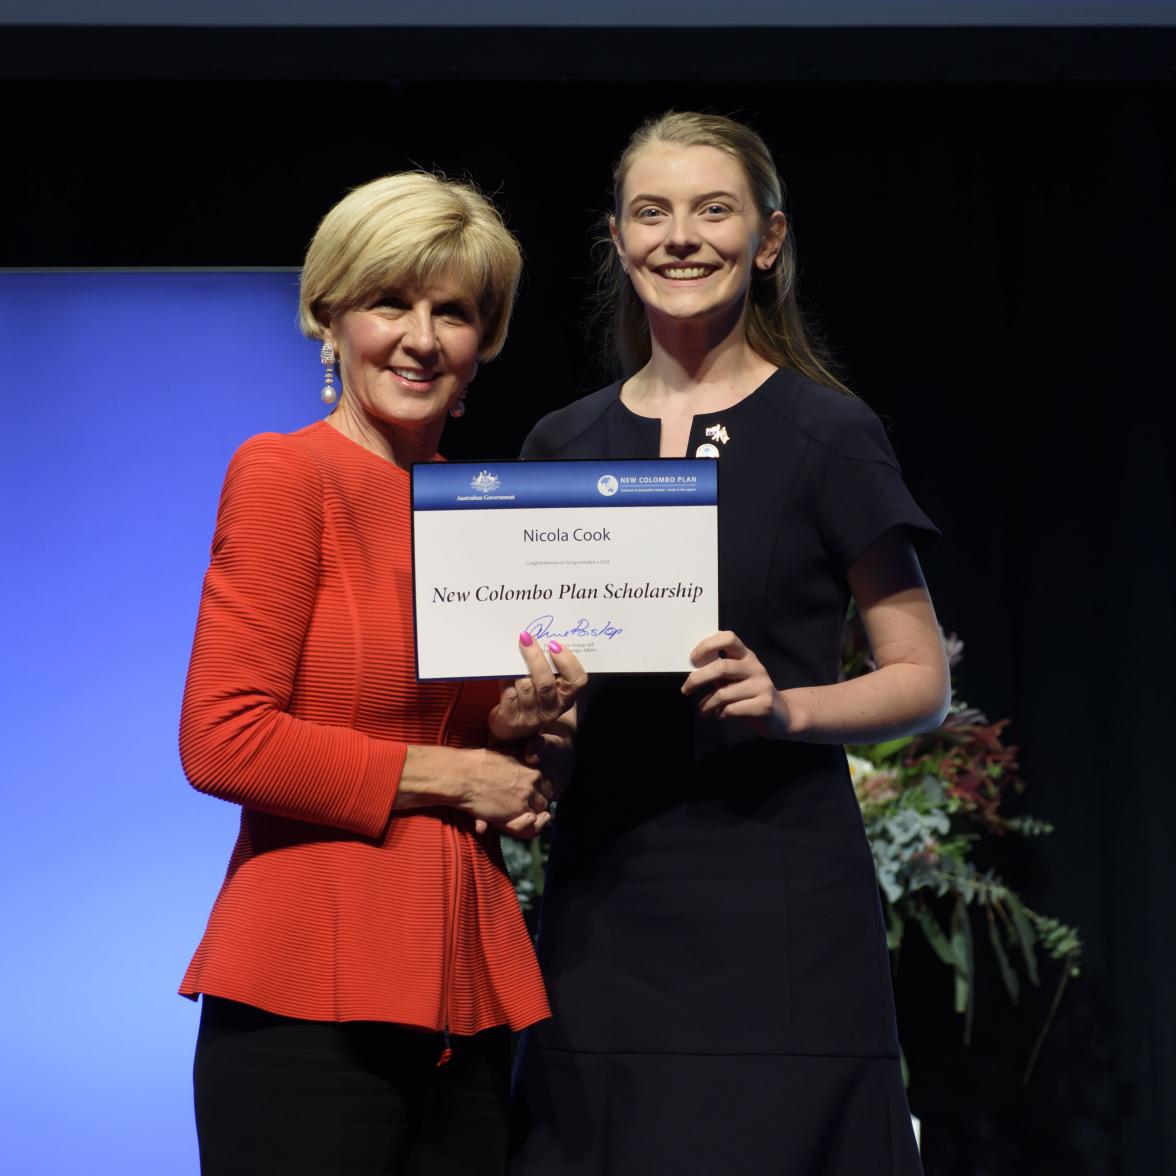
[
  {"x": 510, "y": 795},
  {"x": 736, "y": 685},
  {"x": 527, "y": 715}
]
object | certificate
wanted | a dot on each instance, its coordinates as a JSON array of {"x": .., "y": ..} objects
[{"x": 615, "y": 560}]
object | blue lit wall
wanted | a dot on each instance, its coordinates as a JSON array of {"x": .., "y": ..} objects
[{"x": 125, "y": 395}]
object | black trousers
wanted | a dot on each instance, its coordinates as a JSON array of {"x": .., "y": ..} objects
[{"x": 275, "y": 1095}]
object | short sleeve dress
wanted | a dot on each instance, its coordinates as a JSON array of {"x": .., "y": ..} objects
[{"x": 711, "y": 932}]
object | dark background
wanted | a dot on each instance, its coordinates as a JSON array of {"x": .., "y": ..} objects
[{"x": 984, "y": 222}]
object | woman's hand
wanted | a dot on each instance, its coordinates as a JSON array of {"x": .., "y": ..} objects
[
  {"x": 501, "y": 791},
  {"x": 738, "y": 685},
  {"x": 553, "y": 754},
  {"x": 908, "y": 692},
  {"x": 530, "y": 704},
  {"x": 491, "y": 786}
]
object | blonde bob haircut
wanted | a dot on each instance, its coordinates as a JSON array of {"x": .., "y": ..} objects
[{"x": 403, "y": 231}]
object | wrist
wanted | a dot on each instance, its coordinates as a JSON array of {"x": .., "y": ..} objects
[
  {"x": 789, "y": 715},
  {"x": 435, "y": 776}
]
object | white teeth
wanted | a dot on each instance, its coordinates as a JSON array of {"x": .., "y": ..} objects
[
  {"x": 696, "y": 271},
  {"x": 413, "y": 374}
]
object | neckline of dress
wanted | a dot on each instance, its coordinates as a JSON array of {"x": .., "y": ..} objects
[
  {"x": 656, "y": 420},
  {"x": 354, "y": 445}
]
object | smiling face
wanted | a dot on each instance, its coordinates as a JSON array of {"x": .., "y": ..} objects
[
  {"x": 689, "y": 233},
  {"x": 407, "y": 357}
]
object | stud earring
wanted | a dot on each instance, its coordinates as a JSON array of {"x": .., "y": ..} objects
[{"x": 327, "y": 358}]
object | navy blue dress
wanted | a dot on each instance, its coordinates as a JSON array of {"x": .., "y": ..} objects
[{"x": 711, "y": 932}]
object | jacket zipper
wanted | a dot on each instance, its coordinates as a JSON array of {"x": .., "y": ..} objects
[{"x": 451, "y": 945}]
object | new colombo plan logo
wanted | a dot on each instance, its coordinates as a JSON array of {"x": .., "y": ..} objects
[
  {"x": 607, "y": 485},
  {"x": 485, "y": 482}
]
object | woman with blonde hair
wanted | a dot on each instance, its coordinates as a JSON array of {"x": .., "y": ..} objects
[
  {"x": 365, "y": 960},
  {"x": 711, "y": 930}
]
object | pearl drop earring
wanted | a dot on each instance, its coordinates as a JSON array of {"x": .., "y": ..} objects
[
  {"x": 327, "y": 357},
  {"x": 457, "y": 409}
]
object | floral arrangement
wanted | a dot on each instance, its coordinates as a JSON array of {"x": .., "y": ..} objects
[{"x": 927, "y": 801}]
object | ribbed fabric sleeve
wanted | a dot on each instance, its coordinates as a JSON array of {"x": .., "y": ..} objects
[
  {"x": 237, "y": 739},
  {"x": 300, "y": 705}
]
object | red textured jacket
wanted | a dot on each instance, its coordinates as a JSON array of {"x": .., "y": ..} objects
[{"x": 300, "y": 703}]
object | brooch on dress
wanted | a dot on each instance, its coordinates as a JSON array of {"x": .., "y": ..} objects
[{"x": 714, "y": 433}]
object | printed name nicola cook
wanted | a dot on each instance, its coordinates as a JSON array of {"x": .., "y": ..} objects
[{"x": 626, "y": 591}]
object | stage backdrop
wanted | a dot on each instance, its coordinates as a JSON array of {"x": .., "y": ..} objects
[{"x": 127, "y": 394}]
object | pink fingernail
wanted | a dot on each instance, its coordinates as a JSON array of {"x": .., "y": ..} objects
[
  {"x": 555, "y": 647},
  {"x": 525, "y": 638}
]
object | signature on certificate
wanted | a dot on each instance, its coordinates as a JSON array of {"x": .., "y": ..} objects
[{"x": 543, "y": 627}]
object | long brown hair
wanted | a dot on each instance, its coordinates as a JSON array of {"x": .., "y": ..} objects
[{"x": 776, "y": 329}]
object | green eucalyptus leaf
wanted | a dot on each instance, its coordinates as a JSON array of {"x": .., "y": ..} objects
[
  {"x": 959, "y": 949},
  {"x": 894, "y": 928},
  {"x": 1011, "y": 980},
  {"x": 883, "y": 751},
  {"x": 934, "y": 790},
  {"x": 938, "y": 941},
  {"x": 1025, "y": 936}
]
